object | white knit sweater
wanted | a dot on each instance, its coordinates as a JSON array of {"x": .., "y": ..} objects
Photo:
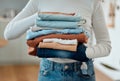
[{"x": 91, "y": 10}]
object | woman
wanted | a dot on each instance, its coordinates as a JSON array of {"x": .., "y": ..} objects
[{"x": 56, "y": 69}]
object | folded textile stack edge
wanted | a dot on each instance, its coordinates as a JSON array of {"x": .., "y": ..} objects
[{"x": 54, "y": 35}]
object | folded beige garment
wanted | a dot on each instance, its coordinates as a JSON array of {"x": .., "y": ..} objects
[{"x": 54, "y": 45}]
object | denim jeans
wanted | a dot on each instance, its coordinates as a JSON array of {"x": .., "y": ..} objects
[
  {"x": 53, "y": 71},
  {"x": 78, "y": 55}
]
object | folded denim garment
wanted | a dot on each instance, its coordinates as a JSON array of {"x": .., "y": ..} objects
[
  {"x": 57, "y": 24},
  {"x": 80, "y": 38},
  {"x": 54, "y": 45},
  {"x": 31, "y": 34},
  {"x": 79, "y": 55},
  {"x": 59, "y": 17}
]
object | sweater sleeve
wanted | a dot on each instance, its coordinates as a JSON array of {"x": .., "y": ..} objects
[
  {"x": 103, "y": 43},
  {"x": 19, "y": 25}
]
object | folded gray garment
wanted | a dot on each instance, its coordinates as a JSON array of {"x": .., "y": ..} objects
[{"x": 59, "y": 17}]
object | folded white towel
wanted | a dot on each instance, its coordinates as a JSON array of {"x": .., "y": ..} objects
[{"x": 61, "y": 41}]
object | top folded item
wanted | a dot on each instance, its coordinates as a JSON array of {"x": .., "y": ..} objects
[
  {"x": 59, "y": 17},
  {"x": 72, "y": 14}
]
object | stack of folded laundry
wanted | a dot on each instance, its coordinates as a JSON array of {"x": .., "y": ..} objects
[{"x": 56, "y": 35}]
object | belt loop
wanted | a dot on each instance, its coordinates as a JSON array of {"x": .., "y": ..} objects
[
  {"x": 75, "y": 66},
  {"x": 52, "y": 65},
  {"x": 84, "y": 68}
]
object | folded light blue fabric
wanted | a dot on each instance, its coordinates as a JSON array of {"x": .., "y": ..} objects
[
  {"x": 31, "y": 34},
  {"x": 59, "y": 17},
  {"x": 57, "y": 24}
]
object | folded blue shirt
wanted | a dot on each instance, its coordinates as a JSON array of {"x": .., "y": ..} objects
[
  {"x": 57, "y": 24},
  {"x": 59, "y": 17},
  {"x": 31, "y": 34}
]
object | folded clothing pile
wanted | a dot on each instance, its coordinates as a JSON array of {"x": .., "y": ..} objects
[{"x": 58, "y": 36}]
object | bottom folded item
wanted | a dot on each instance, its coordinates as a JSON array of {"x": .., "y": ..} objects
[{"x": 79, "y": 55}]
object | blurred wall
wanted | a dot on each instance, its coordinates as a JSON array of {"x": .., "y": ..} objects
[
  {"x": 15, "y": 52},
  {"x": 113, "y": 60},
  {"x": 15, "y": 4}
]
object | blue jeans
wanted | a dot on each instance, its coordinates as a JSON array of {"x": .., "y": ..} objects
[
  {"x": 53, "y": 71},
  {"x": 79, "y": 55}
]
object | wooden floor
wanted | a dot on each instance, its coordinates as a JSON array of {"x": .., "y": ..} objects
[{"x": 30, "y": 73}]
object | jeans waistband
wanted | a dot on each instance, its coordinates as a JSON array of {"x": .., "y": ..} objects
[{"x": 75, "y": 66}]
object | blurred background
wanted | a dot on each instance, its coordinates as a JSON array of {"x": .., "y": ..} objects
[{"x": 15, "y": 60}]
